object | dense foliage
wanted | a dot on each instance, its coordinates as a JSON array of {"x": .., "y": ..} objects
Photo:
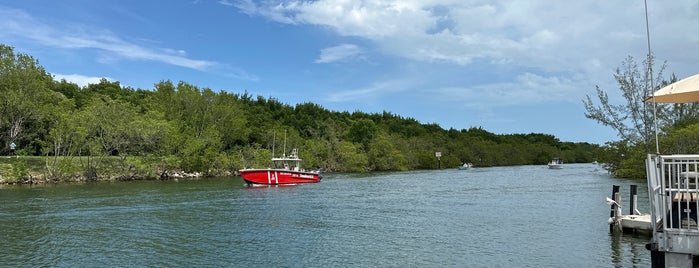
[{"x": 184, "y": 127}]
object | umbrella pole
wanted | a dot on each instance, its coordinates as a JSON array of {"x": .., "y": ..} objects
[{"x": 650, "y": 71}]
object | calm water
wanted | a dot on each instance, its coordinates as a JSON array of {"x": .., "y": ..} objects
[{"x": 526, "y": 216}]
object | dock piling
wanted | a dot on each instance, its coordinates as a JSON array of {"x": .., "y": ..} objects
[
  {"x": 612, "y": 212},
  {"x": 633, "y": 198},
  {"x": 635, "y": 221}
]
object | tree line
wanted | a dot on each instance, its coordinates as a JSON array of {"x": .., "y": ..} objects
[{"x": 179, "y": 126}]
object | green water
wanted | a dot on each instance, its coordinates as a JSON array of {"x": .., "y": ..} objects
[{"x": 526, "y": 216}]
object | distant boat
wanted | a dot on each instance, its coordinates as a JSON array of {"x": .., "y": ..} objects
[
  {"x": 555, "y": 163},
  {"x": 286, "y": 170},
  {"x": 465, "y": 166}
]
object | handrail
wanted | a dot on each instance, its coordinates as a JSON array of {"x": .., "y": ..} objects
[{"x": 672, "y": 182}]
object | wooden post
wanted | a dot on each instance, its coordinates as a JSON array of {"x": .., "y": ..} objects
[
  {"x": 632, "y": 199},
  {"x": 617, "y": 210},
  {"x": 612, "y": 212}
]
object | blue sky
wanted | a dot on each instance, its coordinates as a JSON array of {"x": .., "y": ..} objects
[{"x": 505, "y": 66}]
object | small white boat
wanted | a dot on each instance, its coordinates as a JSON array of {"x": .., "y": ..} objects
[
  {"x": 555, "y": 163},
  {"x": 465, "y": 166}
]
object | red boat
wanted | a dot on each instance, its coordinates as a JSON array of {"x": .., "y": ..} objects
[{"x": 286, "y": 170}]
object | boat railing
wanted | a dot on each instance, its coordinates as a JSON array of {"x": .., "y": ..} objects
[{"x": 673, "y": 187}]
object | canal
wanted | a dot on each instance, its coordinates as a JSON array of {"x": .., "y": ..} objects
[{"x": 523, "y": 216}]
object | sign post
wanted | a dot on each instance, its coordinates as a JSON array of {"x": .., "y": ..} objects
[{"x": 439, "y": 159}]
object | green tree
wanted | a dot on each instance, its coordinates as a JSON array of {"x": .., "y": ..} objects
[
  {"x": 65, "y": 139},
  {"x": 362, "y": 131},
  {"x": 147, "y": 133},
  {"x": 682, "y": 140},
  {"x": 350, "y": 157},
  {"x": 383, "y": 155},
  {"x": 633, "y": 120},
  {"x": 24, "y": 97},
  {"x": 230, "y": 121},
  {"x": 110, "y": 126}
]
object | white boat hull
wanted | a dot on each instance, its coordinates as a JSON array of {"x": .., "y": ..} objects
[{"x": 555, "y": 166}]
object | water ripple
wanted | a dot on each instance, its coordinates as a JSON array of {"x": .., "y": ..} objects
[{"x": 525, "y": 216}]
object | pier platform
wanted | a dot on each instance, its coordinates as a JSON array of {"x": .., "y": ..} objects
[{"x": 634, "y": 222}]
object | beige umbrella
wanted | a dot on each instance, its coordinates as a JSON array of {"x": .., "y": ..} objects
[{"x": 683, "y": 91}]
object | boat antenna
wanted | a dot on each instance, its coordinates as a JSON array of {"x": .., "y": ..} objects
[
  {"x": 274, "y": 139},
  {"x": 284, "y": 142},
  {"x": 650, "y": 71}
]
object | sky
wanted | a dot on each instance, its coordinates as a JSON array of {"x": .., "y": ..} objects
[{"x": 505, "y": 66}]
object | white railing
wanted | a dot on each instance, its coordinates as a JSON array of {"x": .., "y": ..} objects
[{"x": 673, "y": 187}]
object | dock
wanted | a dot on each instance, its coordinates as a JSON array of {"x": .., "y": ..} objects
[
  {"x": 673, "y": 185},
  {"x": 635, "y": 221}
]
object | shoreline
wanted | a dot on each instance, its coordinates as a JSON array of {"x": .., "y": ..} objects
[
  {"x": 174, "y": 176},
  {"x": 29, "y": 170}
]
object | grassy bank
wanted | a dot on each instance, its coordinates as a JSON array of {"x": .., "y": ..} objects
[
  {"x": 40, "y": 169},
  {"x": 14, "y": 169}
]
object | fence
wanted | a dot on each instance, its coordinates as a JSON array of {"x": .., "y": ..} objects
[{"x": 673, "y": 187}]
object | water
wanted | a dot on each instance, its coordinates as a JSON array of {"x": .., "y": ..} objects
[{"x": 525, "y": 216}]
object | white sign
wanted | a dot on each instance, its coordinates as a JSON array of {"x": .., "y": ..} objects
[{"x": 438, "y": 154}]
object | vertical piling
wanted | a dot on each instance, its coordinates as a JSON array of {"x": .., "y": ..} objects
[
  {"x": 632, "y": 199},
  {"x": 612, "y": 212}
]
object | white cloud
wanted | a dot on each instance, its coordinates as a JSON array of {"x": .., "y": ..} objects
[
  {"x": 547, "y": 35},
  {"x": 339, "y": 53},
  {"x": 225, "y": 3},
  {"x": 458, "y": 32},
  {"x": 272, "y": 11},
  {"x": 552, "y": 51},
  {"x": 80, "y": 80},
  {"x": 369, "y": 93},
  {"x": 18, "y": 23},
  {"x": 527, "y": 88}
]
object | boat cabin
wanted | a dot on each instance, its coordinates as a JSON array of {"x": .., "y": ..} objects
[{"x": 290, "y": 162}]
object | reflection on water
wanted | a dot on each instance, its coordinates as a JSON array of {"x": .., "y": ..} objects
[
  {"x": 629, "y": 249},
  {"x": 526, "y": 216}
]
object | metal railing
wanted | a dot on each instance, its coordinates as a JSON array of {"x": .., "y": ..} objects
[{"x": 673, "y": 187}]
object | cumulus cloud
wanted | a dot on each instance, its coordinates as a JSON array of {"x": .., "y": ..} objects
[
  {"x": 552, "y": 36},
  {"x": 451, "y": 31},
  {"x": 559, "y": 44}
]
